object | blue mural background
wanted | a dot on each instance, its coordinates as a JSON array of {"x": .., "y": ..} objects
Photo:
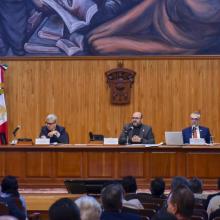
[{"x": 109, "y": 27}]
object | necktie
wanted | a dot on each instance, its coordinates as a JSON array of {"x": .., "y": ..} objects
[{"x": 194, "y": 133}]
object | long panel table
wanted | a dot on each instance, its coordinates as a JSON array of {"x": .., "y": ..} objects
[{"x": 49, "y": 166}]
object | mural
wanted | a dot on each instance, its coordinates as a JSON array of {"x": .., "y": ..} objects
[{"x": 109, "y": 27}]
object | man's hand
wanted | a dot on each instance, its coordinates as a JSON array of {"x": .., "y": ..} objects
[
  {"x": 52, "y": 133},
  {"x": 136, "y": 139}
]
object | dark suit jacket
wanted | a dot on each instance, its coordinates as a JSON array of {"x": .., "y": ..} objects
[
  {"x": 204, "y": 133},
  {"x": 13, "y": 208},
  {"x": 63, "y": 138},
  {"x": 145, "y": 134},
  {"x": 119, "y": 216}
]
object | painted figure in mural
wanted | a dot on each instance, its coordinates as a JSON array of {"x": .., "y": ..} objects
[
  {"x": 13, "y": 26},
  {"x": 111, "y": 27},
  {"x": 161, "y": 27}
]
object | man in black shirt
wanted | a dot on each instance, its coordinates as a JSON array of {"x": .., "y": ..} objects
[{"x": 136, "y": 132}]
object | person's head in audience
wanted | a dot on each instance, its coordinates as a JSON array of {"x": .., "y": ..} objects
[
  {"x": 129, "y": 184},
  {"x": 181, "y": 202},
  {"x": 157, "y": 187},
  {"x": 195, "y": 185},
  {"x": 179, "y": 181},
  {"x": 9, "y": 185},
  {"x": 164, "y": 215},
  {"x": 7, "y": 217},
  {"x": 64, "y": 209},
  {"x": 111, "y": 197},
  {"x": 90, "y": 209},
  {"x": 195, "y": 118},
  {"x": 51, "y": 122}
]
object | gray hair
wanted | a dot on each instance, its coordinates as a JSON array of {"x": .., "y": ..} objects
[
  {"x": 51, "y": 118},
  {"x": 7, "y": 217},
  {"x": 90, "y": 209}
]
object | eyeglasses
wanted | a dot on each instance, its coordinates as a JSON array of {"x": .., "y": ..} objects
[
  {"x": 136, "y": 118},
  {"x": 47, "y": 123}
]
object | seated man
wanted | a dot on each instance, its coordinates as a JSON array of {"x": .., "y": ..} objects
[
  {"x": 157, "y": 188},
  {"x": 195, "y": 130},
  {"x": 181, "y": 203},
  {"x": 112, "y": 198},
  {"x": 55, "y": 132},
  {"x": 136, "y": 132},
  {"x": 64, "y": 209}
]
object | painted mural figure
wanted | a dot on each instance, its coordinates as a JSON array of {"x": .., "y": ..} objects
[
  {"x": 109, "y": 27},
  {"x": 161, "y": 27}
]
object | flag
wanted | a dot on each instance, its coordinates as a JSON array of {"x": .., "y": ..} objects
[{"x": 3, "y": 112}]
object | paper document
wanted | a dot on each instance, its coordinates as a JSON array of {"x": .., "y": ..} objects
[{"x": 153, "y": 145}]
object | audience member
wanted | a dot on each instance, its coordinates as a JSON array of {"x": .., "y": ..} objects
[
  {"x": 56, "y": 133},
  {"x": 164, "y": 215},
  {"x": 181, "y": 202},
  {"x": 179, "y": 181},
  {"x": 112, "y": 197},
  {"x": 90, "y": 209},
  {"x": 157, "y": 188},
  {"x": 136, "y": 132},
  {"x": 64, "y": 209},
  {"x": 130, "y": 187},
  {"x": 214, "y": 204},
  {"x": 215, "y": 214},
  {"x": 10, "y": 196},
  {"x": 7, "y": 217},
  {"x": 195, "y": 184},
  {"x": 213, "y": 195},
  {"x": 129, "y": 184}
]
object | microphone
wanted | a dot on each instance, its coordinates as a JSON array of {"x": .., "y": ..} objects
[{"x": 16, "y": 130}]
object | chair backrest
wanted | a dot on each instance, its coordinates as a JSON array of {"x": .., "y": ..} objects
[
  {"x": 144, "y": 197},
  {"x": 201, "y": 212},
  {"x": 4, "y": 209},
  {"x": 194, "y": 217},
  {"x": 142, "y": 212},
  {"x": 150, "y": 205},
  {"x": 130, "y": 196},
  {"x": 147, "y": 212},
  {"x": 199, "y": 205}
]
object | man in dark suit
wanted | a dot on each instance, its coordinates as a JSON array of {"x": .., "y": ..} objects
[
  {"x": 112, "y": 197},
  {"x": 56, "y": 133},
  {"x": 195, "y": 130},
  {"x": 136, "y": 132}
]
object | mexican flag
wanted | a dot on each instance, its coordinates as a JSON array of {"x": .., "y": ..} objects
[{"x": 3, "y": 112}]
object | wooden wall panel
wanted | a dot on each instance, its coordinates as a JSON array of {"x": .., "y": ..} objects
[
  {"x": 131, "y": 164},
  {"x": 69, "y": 164},
  {"x": 39, "y": 164},
  {"x": 100, "y": 165},
  {"x": 202, "y": 165},
  {"x": 164, "y": 164},
  {"x": 165, "y": 90}
]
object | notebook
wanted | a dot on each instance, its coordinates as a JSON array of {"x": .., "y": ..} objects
[{"x": 173, "y": 138}]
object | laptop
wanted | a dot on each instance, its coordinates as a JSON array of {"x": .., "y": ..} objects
[{"x": 173, "y": 138}]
